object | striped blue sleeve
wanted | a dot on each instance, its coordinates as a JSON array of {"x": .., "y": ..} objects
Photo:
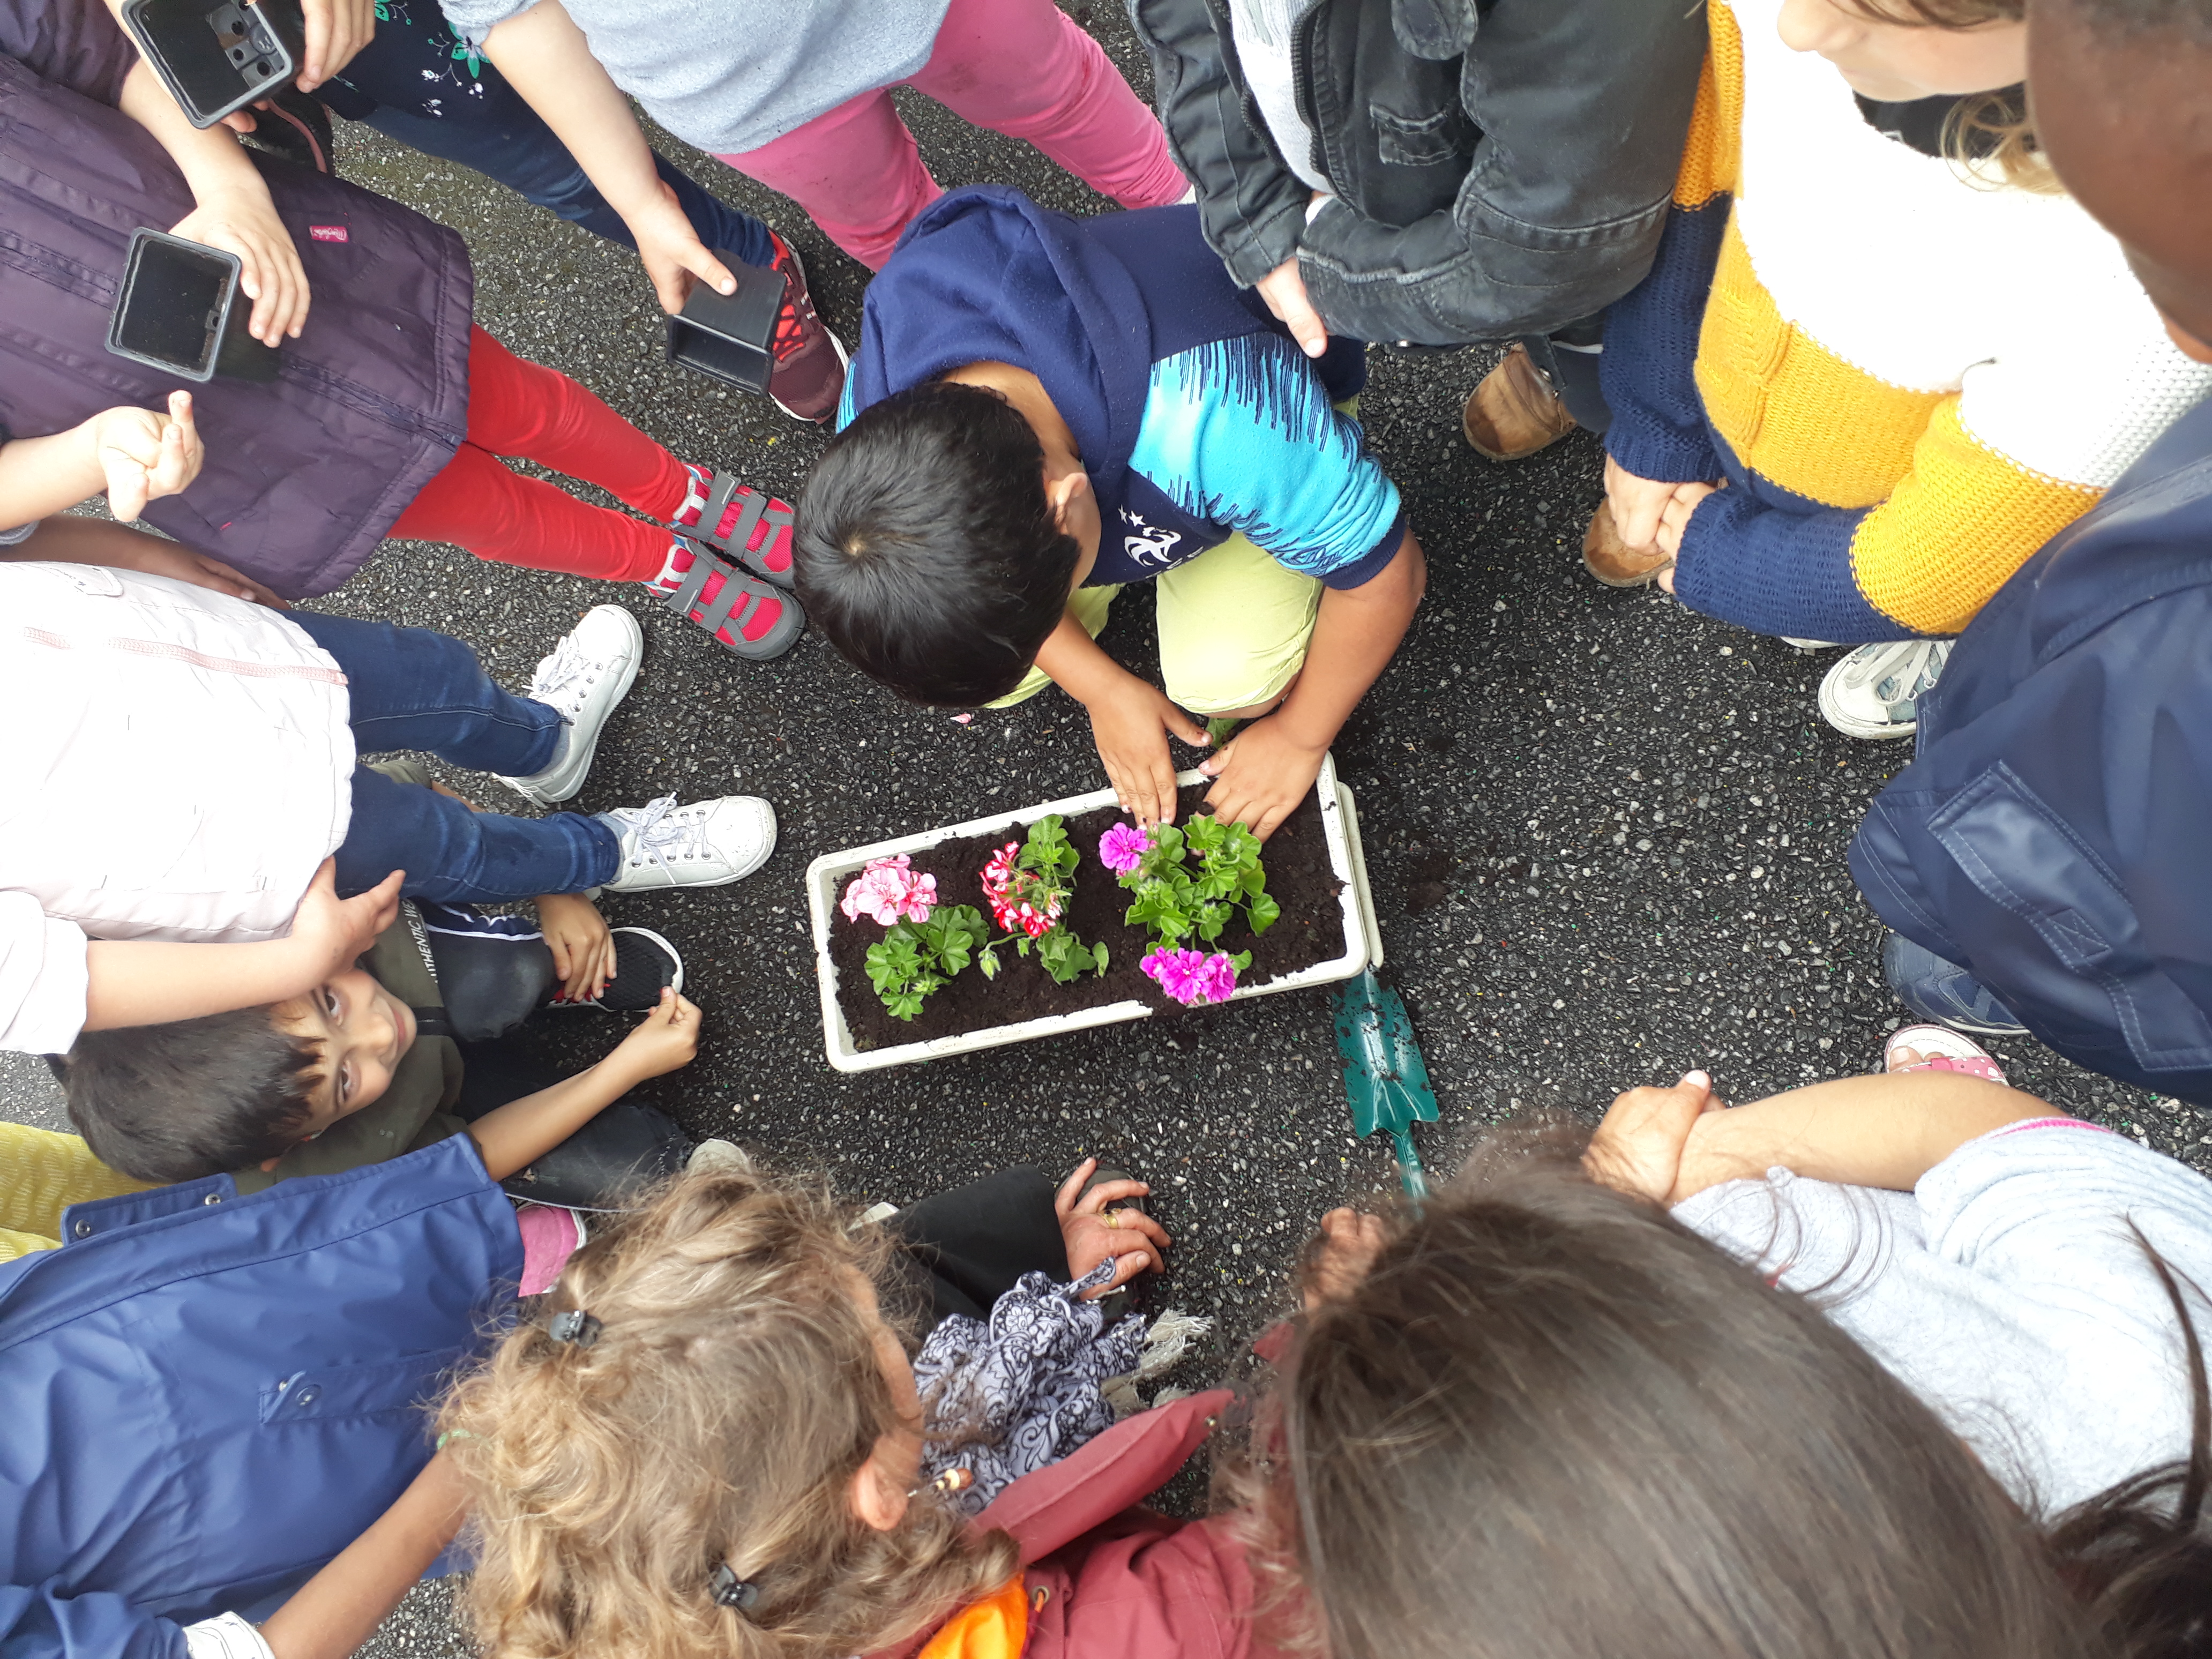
[{"x": 1241, "y": 433}]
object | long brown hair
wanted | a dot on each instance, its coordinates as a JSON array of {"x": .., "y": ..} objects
[
  {"x": 1552, "y": 1423},
  {"x": 724, "y": 1397}
]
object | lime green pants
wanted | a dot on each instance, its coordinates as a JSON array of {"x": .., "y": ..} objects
[
  {"x": 41, "y": 1175},
  {"x": 1233, "y": 626}
]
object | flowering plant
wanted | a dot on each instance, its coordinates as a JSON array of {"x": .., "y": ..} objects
[
  {"x": 1192, "y": 977},
  {"x": 1178, "y": 902},
  {"x": 888, "y": 890},
  {"x": 1122, "y": 848},
  {"x": 1027, "y": 883},
  {"x": 916, "y": 957}
]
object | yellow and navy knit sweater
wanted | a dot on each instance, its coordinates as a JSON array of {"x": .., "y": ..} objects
[{"x": 1910, "y": 377}]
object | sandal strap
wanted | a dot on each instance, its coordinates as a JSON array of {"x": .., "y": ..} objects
[
  {"x": 736, "y": 585},
  {"x": 751, "y": 511}
]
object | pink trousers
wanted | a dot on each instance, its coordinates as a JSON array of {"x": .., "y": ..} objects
[{"x": 1019, "y": 67}]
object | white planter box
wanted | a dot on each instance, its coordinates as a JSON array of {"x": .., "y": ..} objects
[{"x": 826, "y": 876}]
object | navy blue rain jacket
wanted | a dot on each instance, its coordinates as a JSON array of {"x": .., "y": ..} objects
[
  {"x": 205, "y": 1397},
  {"x": 2054, "y": 834}
]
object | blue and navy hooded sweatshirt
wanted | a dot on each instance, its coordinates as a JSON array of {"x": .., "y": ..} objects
[
  {"x": 2051, "y": 835},
  {"x": 1195, "y": 414}
]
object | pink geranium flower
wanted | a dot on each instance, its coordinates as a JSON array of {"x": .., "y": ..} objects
[
  {"x": 1192, "y": 977},
  {"x": 1122, "y": 848},
  {"x": 888, "y": 892}
]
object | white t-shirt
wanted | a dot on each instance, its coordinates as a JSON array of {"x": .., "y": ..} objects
[{"x": 2007, "y": 1291}]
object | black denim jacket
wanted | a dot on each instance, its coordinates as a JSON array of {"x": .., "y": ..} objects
[{"x": 1502, "y": 166}]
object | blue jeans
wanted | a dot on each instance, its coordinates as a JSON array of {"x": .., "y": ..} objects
[
  {"x": 415, "y": 83},
  {"x": 412, "y": 688}
]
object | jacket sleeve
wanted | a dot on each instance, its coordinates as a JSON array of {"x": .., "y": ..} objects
[
  {"x": 1581, "y": 109},
  {"x": 1250, "y": 204},
  {"x": 37, "y": 1621},
  {"x": 42, "y": 978}
]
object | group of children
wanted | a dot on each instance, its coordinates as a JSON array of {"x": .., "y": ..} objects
[{"x": 1907, "y": 1363}]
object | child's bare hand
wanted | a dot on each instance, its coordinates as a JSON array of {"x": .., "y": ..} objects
[
  {"x": 1350, "y": 1241},
  {"x": 667, "y": 1040},
  {"x": 582, "y": 946},
  {"x": 1262, "y": 777},
  {"x": 145, "y": 455},
  {"x": 328, "y": 931},
  {"x": 1130, "y": 1237},
  {"x": 244, "y": 222},
  {"x": 1637, "y": 1149},
  {"x": 674, "y": 257},
  {"x": 1131, "y": 725},
  {"x": 1637, "y": 504}
]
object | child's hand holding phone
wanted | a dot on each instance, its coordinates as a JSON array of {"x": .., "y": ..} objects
[{"x": 666, "y": 1042}]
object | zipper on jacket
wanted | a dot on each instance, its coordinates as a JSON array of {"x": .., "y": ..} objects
[{"x": 1302, "y": 38}]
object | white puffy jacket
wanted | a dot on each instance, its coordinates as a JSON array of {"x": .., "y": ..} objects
[{"x": 174, "y": 764}]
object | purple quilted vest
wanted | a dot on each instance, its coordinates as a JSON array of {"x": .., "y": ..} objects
[{"x": 304, "y": 475}]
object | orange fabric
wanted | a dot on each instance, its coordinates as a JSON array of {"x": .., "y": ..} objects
[
  {"x": 1713, "y": 152},
  {"x": 996, "y": 1627}
]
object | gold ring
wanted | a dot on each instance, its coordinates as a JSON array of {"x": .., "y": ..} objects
[{"x": 1111, "y": 1217}]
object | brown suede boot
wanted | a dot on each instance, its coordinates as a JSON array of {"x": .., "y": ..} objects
[
  {"x": 1514, "y": 412},
  {"x": 1609, "y": 558}
]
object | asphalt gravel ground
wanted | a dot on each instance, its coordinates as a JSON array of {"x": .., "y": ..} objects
[{"x": 1606, "y": 835}]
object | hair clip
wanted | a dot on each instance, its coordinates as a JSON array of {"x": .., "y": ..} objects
[
  {"x": 948, "y": 1483},
  {"x": 731, "y": 1591},
  {"x": 575, "y": 1326}
]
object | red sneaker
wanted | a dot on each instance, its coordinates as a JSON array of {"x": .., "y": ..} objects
[{"x": 809, "y": 376}]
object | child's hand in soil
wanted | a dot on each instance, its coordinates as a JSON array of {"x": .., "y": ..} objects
[
  {"x": 1131, "y": 725},
  {"x": 583, "y": 948},
  {"x": 1131, "y": 1237},
  {"x": 1262, "y": 777},
  {"x": 1637, "y": 1149},
  {"x": 666, "y": 1042},
  {"x": 1349, "y": 1242}
]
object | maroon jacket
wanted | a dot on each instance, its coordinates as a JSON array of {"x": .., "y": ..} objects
[
  {"x": 1108, "y": 1579},
  {"x": 305, "y": 475}
]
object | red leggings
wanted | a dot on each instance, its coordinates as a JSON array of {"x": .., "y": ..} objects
[{"x": 524, "y": 409}]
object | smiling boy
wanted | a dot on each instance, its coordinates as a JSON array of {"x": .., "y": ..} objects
[{"x": 1043, "y": 410}]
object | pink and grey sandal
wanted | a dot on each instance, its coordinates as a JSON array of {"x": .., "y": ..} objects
[
  {"x": 746, "y": 614},
  {"x": 742, "y": 524},
  {"x": 1941, "y": 1049}
]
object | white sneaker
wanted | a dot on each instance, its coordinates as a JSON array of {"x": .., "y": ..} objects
[
  {"x": 1875, "y": 692},
  {"x": 706, "y": 844},
  {"x": 585, "y": 676},
  {"x": 719, "y": 1158}
]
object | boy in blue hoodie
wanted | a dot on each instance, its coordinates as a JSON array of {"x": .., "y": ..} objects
[
  {"x": 2043, "y": 859},
  {"x": 1042, "y": 410}
]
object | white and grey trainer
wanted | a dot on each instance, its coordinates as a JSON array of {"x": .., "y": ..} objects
[
  {"x": 706, "y": 844},
  {"x": 1875, "y": 692},
  {"x": 585, "y": 676}
]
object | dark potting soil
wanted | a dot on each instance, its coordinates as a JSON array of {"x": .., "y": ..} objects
[{"x": 1310, "y": 930}]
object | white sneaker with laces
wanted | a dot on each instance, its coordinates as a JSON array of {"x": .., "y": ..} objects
[
  {"x": 706, "y": 844},
  {"x": 1875, "y": 692},
  {"x": 585, "y": 676}
]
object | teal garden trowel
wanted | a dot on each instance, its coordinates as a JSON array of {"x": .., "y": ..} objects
[{"x": 1384, "y": 1078}]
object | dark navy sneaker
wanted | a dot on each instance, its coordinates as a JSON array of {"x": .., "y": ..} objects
[
  {"x": 645, "y": 964},
  {"x": 1943, "y": 991}
]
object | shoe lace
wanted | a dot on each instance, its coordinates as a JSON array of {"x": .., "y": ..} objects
[
  {"x": 1900, "y": 672},
  {"x": 563, "y": 677},
  {"x": 662, "y": 830}
]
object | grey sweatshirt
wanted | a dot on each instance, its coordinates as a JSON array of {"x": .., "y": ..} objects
[{"x": 730, "y": 76}]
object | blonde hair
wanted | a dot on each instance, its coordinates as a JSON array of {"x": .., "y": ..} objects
[
  {"x": 730, "y": 1393},
  {"x": 1988, "y": 134}
]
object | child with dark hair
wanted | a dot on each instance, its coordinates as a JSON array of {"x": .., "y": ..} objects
[
  {"x": 424, "y": 1038},
  {"x": 1540, "y": 1356},
  {"x": 1044, "y": 408}
]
